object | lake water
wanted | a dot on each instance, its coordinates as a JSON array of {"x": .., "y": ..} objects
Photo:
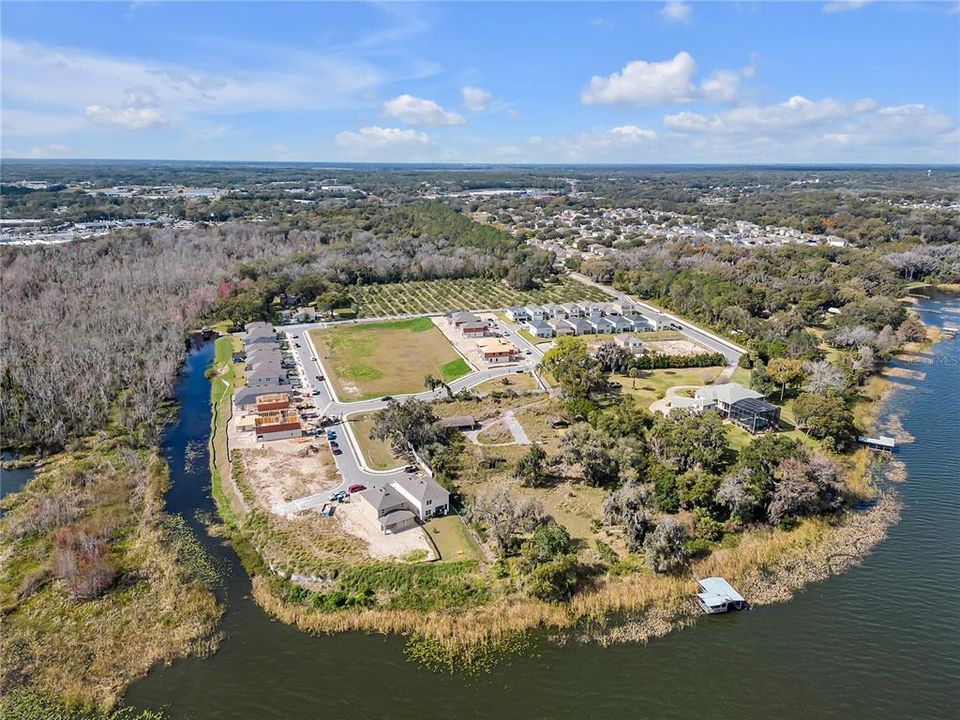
[{"x": 879, "y": 641}]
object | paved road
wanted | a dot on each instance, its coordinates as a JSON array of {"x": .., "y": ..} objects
[
  {"x": 350, "y": 463},
  {"x": 731, "y": 351}
]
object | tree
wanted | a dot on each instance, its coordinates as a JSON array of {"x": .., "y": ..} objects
[
  {"x": 432, "y": 383},
  {"x": 626, "y": 507},
  {"x": 734, "y": 494},
  {"x": 529, "y": 469},
  {"x": 592, "y": 450},
  {"x": 554, "y": 581},
  {"x": 504, "y": 514},
  {"x": 697, "y": 488},
  {"x": 574, "y": 369},
  {"x": 613, "y": 358},
  {"x": 805, "y": 488},
  {"x": 785, "y": 371},
  {"x": 824, "y": 377},
  {"x": 825, "y": 417},
  {"x": 666, "y": 546},
  {"x": 408, "y": 424},
  {"x": 760, "y": 459},
  {"x": 80, "y": 559},
  {"x": 634, "y": 373},
  {"x": 686, "y": 440},
  {"x": 548, "y": 541}
]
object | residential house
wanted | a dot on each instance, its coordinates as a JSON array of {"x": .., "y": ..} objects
[
  {"x": 398, "y": 505},
  {"x": 742, "y": 405},
  {"x": 540, "y": 329},
  {"x": 245, "y": 398},
  {"x": 572, "y": 310},
  {"x": 631, "y": 343},
  {"x": 620, "y": 324},
  {"x": 267, "y": 372},
  {"x": 537, "y": 313},
  {"x": 278, "y": 425},
  {"x": 581, "y": 326},
  {"x": 497, "y": 350},
  {"x": 518, "y": 314},
  {"x": 461, "y": 318},
  {"x": 602, "y": 325},
  {"x": 428, "y": 497},
  {"x": 477, "y": 328},
  {"x": 560, "y": 327}
]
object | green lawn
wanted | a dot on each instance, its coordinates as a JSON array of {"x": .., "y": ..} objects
[
  {"x": 652, "y": 384},
  {"x": 378, "y": 453},
  {"x": 452, "y": 539},
  {"x": 522, "y": 382},
  {"x": 368, "y": 360}
]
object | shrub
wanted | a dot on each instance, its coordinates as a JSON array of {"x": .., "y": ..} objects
[{"x": 80, "y": 560}]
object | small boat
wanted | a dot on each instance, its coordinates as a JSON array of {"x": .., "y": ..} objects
[{"x": 718, "y": 596}]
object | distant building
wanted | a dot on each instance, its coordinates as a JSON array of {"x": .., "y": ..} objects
[
  {"x": 459, "y": 422},
  {"x": 540, "y": 329},
  {"x": 477, "y": 328}
]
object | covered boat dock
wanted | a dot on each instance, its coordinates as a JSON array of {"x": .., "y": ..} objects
[{"x": 718, "y": 596}]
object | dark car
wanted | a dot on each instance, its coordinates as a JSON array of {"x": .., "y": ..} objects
[
  {"x": 334, "y": 444},
  {"x": 356, "y": 488},
  {"x": 386, "y": 398},
  {"x": 410, "y": 469},
  {"x": 337, "y": 451}
]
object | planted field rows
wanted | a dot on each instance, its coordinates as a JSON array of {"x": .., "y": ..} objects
[{"x": 435, "y": 296}]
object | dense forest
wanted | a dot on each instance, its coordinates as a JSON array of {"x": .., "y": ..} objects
[{"x": 93, "y": 332}]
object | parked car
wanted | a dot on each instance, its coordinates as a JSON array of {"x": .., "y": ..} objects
[
  {"x": 410, "y": 469},
  {"x": 337, "y": 451},
  {"x": 356, "y": 488},
  {"x": 334, "y": 444},
  {"x": 338, "y": 495}
]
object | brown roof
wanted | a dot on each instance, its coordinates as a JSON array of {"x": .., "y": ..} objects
[{"x": 458, "y": 421}]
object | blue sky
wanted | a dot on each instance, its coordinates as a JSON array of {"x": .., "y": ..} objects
[{"x": 742, "y": 82}]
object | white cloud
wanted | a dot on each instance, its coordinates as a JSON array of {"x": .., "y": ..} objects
[
  {"x": 125, "y": 118},
  {"x": 897, "y": 126},
  {"x": 845, "y": 5},
  {"x": 663, "y": 83},
  {"x": 631, "y": 133},
  {"x": 474, "y": 98},
  {"x": 676, "y": 12},
  {"x": 375, "y": 137},
  {"x": 419, "y": 111},
  {"x": 57, "y": 82},
  {"x": 796, "y": 112},
  {"x": 53, "y": 150}
]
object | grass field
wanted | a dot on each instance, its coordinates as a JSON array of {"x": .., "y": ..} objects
[
  {"x": 452, "y": 539},
  {"x": 522, "y": 382},
  {"x": 432, "y": 296},
  {"x": 652, "y": 384},
  {"x": 372, "y": 359},
  {"x": 378, "y": 453}
]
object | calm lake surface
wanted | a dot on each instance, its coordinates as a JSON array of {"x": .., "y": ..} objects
[{"x": 880, "y": 641}]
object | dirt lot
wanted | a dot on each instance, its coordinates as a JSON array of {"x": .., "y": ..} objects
[
  {"x": 673, "y": 347},
  {"x": 468, "y": 346},
  {"x": 360, "y": 525},
  {"x": 278, "y": 473}
]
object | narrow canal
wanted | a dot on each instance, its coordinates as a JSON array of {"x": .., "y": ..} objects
[{"x": 880, "y": 641}]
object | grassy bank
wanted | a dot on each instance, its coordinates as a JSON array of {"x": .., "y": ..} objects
[{"x": 80, "y": 633}]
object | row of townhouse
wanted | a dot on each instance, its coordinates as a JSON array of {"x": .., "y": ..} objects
[
  {"x": 553, "y": 320},
  {"x": 264, "y": 403}
]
